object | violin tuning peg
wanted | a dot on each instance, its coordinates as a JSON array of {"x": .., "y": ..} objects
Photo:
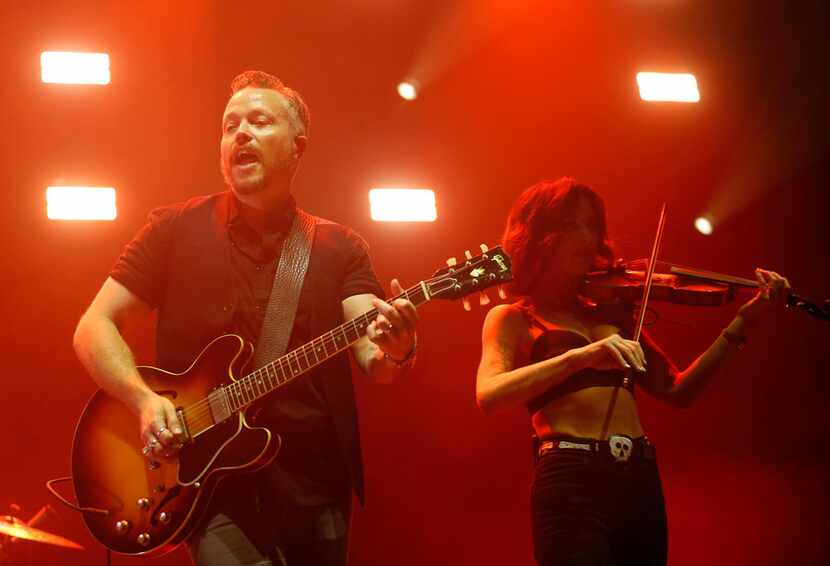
[
  {"x": 502, "y": 292},
  {"x": 484, "y": 248},
  {"x": 451, "y": 262},
  {"x": 483, "y": 298},
  {"x": 466, "y": 302},
  {"x": 468, "y": 255}
]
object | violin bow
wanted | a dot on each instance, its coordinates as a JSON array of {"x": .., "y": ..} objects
[{"x": 652, "y": 262}]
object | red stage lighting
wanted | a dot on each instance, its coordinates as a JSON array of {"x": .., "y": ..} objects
[
  {"x": 80, "y": 203},
  {"x": 402, "y": 205},
  {"x": 408, "y": 90},
  {"x": 704, "y": 225},
  {"x": 68, "y": 67},
  {"x": 668, "y": 87}
]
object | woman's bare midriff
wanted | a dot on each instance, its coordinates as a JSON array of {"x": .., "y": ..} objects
[{"x": 582, "y": 413}]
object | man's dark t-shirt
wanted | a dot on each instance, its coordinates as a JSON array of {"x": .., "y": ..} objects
[{"x": 309, "y": 469}]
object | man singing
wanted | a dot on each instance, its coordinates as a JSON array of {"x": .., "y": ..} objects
[{"x": 207, "y": 266}]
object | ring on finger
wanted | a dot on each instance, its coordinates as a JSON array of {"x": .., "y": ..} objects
[
  {"x": 161, "y": 430},
  {"x": 146, "y": 450}
]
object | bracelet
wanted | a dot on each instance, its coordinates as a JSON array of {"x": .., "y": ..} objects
[
  {"x": 408, "y": 361},
  {"x": 734, "y": 339}
]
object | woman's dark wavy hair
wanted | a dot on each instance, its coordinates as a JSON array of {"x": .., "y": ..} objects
[{"x": 536, "y": 223}]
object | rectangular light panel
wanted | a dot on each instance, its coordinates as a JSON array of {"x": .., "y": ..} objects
[
  {"x": 80, "y": 203},
  {"x": 402, "y": 205},
  {"x": 70, "y": 67},
  {"x": 668, "y": 87}
]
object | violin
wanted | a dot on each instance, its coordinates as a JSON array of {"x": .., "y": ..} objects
[
  {"x": 624, "y": 283},
  {"x": 639, "y": 280}
]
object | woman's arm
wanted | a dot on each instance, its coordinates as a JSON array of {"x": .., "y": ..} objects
[
  {"x": 501, "y": 385},
  {"x": 681, "y": 388}
]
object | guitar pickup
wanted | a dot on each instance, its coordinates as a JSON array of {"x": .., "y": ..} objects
[
  {"x": 220, "y": 408},
  {"x": 185, "y": 427}
]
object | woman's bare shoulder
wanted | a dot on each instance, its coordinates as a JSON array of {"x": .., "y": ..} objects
[{"x": 507, "y": 318}]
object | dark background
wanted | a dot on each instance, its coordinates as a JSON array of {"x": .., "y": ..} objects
[{"x": 513, "y": 92}]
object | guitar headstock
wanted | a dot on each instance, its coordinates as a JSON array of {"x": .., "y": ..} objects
[{"x": 490, "y": 268}]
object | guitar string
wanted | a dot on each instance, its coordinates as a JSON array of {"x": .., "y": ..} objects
[
  {"x": 246, "y": 387},
  {"x": 200, "y": 413},
  {"x": 243, "y": 388},
  {"x": 243, "y": 391},
  {"x": 260, "y": 382}
]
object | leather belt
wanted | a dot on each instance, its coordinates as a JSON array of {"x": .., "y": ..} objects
[{"x": 619, "y": 447}]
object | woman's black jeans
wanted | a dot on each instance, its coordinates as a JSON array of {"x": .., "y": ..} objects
[{"x": 589, "y": 509}]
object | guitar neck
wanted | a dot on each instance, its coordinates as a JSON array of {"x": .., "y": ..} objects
[
  {"x": 490, "y": 268},
  {"x": 295, "y": 363}
]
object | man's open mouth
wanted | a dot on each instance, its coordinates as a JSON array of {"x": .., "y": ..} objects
[{"x": 245, "y": 158}]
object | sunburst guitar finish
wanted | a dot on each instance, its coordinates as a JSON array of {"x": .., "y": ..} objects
[
  {"x": 140, "y": 505},
  {"x": 153, "y": 504}
]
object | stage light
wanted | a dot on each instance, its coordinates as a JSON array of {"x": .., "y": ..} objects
[
  {"x": 668, "y": 87},
  {"x": 80, "y": 203},
  {"x": 68, "y": 67},
  {"x": 408, "y": 90},
  {"x": 704, "y": 225},
  {"x": 402, "y": 205}
]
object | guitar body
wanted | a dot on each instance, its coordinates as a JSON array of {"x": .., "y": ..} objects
[
  {"x": 153, "y": 504},
  {"x": 139, "y": 505}
]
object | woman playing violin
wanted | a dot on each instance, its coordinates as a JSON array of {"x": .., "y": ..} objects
[{"x": 596, "y": 496}]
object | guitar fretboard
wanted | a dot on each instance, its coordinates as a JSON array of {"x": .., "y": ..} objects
[{"x": 260, "y": 382}]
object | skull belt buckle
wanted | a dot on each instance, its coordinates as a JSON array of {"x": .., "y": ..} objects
[{"x": 620, "y": 447}]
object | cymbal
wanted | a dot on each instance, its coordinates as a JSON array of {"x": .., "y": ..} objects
[{"x": 18, "y": 529}]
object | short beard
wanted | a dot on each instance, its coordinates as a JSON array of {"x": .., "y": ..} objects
[{"x": 228, "y": 178}]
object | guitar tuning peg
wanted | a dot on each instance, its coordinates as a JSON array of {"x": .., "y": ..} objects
[
  {"x": 451, "y": 262},
  {"x": 484, "y": 248},
  {"x": 466, "y": 302},
  {"x": 468, "y": 255},
  {"x": 502, "y": 292},
  {"x": 483, "y": 299}
]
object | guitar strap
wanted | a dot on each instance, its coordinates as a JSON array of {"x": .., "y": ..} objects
[{"x": 285, "y": 294}]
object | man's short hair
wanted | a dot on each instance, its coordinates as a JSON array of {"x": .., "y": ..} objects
[{"x": 260, "y": 79}]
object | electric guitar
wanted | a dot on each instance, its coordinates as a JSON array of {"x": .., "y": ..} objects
[{"x": 140, "y": 505}]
